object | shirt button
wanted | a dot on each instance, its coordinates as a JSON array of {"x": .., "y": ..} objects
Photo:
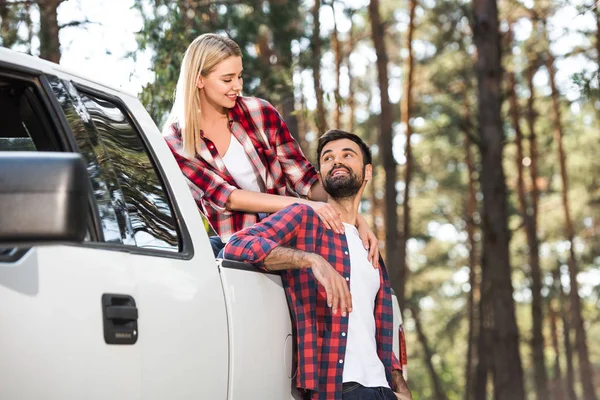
[
  {"x": 346, "y": 253},
  {"x": 341, "y": 361},
  {"x": 344, "y": 334}
]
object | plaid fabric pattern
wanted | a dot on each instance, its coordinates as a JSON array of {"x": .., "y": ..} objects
[
  {"x": 272, "y": 150},
  {"x": 321, "y": 336}
]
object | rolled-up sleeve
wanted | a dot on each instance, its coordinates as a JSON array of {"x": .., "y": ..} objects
[
  {"x": 253, "y": 244},
  {"x": 205, "y": 184}
]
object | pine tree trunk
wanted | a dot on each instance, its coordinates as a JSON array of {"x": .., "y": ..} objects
[
  {"x": 570, "y": 382},
  {"x": 49, "y": 29},
  {"x": 283, "y": 24},
  {"x": 597, "y": 13},
  {"x": 537, "y": 340},
  {"x": 29, "y": 27},
  {"x": 387, "y": 156},
  {"x": 303, "y": 124},
  {"x": 8, "y": 32},
  {"x": 497, "y": 304},
  {"x": 471, "y": 209},
  {"x": 375, "y": 203},
  {"x": 351, "y": 78},
  {"x": 316, "y": 67},
  {"x": 585, "y": 369},
  {"x": 339, "y": 56},
  {"x": 558, "y": 392},
  {"x": 406, "y": 113},
  {"x": 428, "y": 357}
]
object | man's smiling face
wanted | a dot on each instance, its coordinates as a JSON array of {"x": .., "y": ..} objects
[{"x": 342, "y": 168}]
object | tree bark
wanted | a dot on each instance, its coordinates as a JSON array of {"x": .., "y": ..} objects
[
  {"x": 537, "y": 340},
  {"x": 596, "y": 11},
  {"x": 497, "y": 304},
  {"x": 351, "y": 78},
  {"x": 284, "y": 24},
  {"x": 585, "y": 368},
  {"x": 471, "y": 209},
  {"x": 387, "y": 156},
  {"x": 563, "y": 301},
  {"x": 428, "y": 354},
  {"x": 49, "y": 30},
  {"x": 303, "y": 124},
  {"x": 339, "y": 56},
  {"x": 316, "y": 67},
  {"x": 558, "y": 392},
  {"x": 406, "y": 114},
  {"x": 8, "y": 32}
]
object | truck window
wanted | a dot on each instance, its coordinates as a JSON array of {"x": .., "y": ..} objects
[
  {"x": 109, "y": 140},
  {"x": 24, "y": 127}
]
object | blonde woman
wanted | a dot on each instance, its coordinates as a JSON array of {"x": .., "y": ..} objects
[{"x": 236, "y": 152}]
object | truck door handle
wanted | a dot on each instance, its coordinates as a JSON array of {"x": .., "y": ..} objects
[
  {"x": 125, "y": 313},
  {"x": 120, "y": 315}
]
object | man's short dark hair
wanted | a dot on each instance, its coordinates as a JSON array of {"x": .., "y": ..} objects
[{"x": 337, "y": 134}]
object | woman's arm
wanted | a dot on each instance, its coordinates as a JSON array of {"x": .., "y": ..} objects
[{"x": 255, "y": 202}]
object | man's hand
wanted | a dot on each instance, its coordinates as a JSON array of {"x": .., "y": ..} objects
[
  {"x": 399, "y": 386},
  {"x": 336, "y": 287}
]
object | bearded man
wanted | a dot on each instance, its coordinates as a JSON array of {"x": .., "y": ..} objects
[{"x": 341, "y": 305}]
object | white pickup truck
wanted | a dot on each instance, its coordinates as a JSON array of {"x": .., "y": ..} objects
[{"x": 108, "y": 284}]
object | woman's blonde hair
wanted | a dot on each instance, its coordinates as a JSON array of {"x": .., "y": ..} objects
[{"x": 200, "y": 58}]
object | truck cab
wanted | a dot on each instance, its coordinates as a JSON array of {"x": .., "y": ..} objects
[{"x": 108, "y": 284}]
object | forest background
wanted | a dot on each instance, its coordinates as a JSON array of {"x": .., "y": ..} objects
[{"x": 484, "y": 120}]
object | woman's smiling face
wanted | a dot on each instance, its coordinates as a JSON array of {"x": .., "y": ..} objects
[{"x": 223, "y": 84}]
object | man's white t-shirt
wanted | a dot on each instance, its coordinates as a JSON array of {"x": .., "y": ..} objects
[
  {"x": 362, "y": 364},
  {"x": 239, "y": 166}
]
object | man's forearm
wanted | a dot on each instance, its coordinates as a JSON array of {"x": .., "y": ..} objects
[
  {"x": 399, "y": 386},
  {"x": 281, "y": 258}
]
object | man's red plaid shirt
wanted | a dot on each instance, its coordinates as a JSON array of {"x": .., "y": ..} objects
[
  {"x": 272, "y": 150},
  {"x": 321, "y": 336}
]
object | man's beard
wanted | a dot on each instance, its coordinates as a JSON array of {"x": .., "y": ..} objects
[{"x": 342, "y": 187}]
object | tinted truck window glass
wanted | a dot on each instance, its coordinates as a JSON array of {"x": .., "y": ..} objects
[
  {"x": 150, "y": 216},
  {"x": 111, "y": 215}
]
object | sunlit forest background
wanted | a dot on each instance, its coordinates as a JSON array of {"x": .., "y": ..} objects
[{"x": 484, "y": 120}]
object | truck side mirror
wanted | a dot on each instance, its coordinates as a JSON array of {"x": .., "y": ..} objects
[{"x": 43, "y": 198}]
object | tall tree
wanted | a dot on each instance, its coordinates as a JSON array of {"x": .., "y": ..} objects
[
  {"x": 49, "y": 29},
  {"x": 8, "y": 27},
  {"x": 316, "y": 67},
  {"x": 570, "y": 381},
  {"x": 351, "y": 79},
  {"x": 406, "y": 115},
  {"x": 470, "y": 211},
  {"x": 428, "y": 354},
  {"x": 338, "y": 51},
  {"x": 558, "y": 392},
  {"x": 387, "y": 155},
  {"x": 585, "y": 368},
  {"x": 283, "y": 21},
  {"x": 530, "y": 224},
  {"x": 497, "y": 304}
]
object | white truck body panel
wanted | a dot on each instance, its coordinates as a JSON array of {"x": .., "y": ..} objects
[{"x": 51, "y": 333}]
